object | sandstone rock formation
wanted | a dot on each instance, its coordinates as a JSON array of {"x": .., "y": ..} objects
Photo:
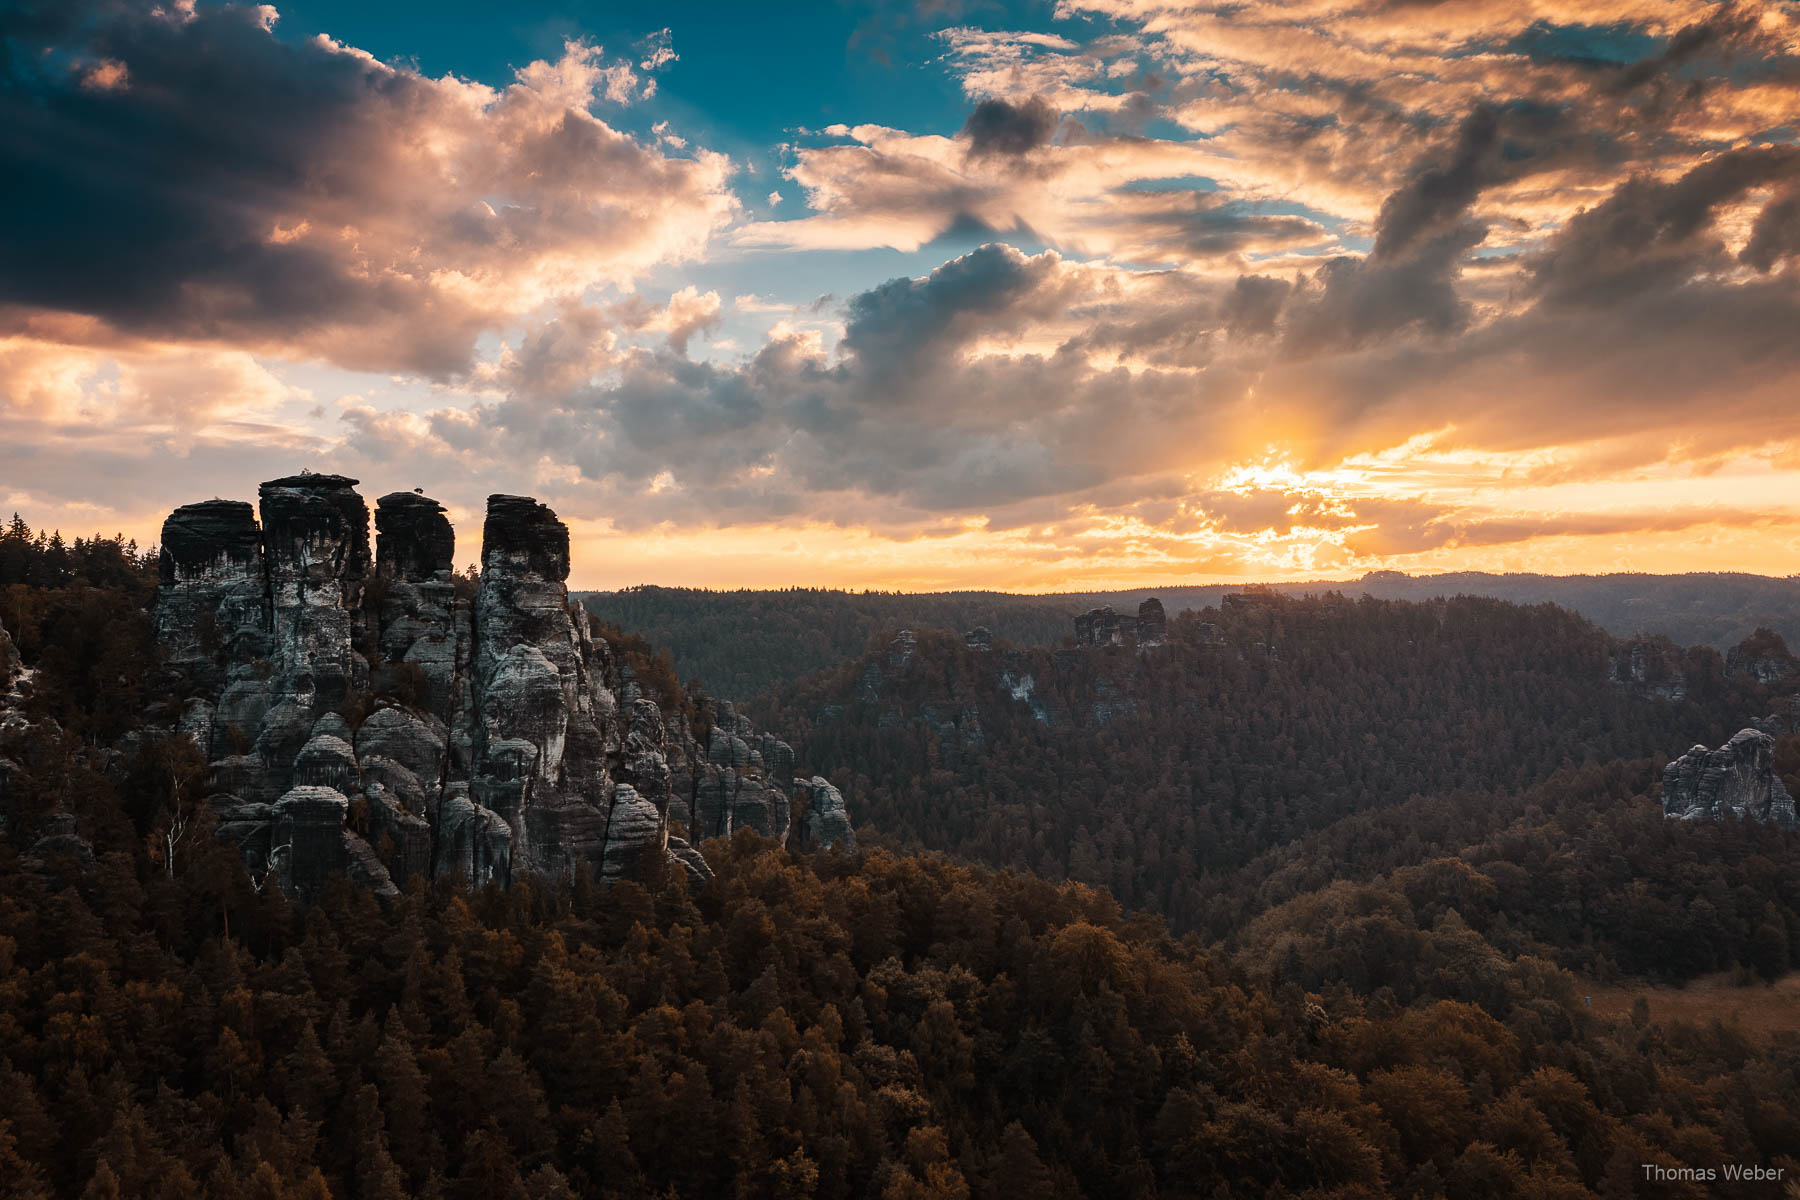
[
  {"x": 827, "y": 820},
  {"x": 1650, "y": 666},
  {"x": 1098, "y": 627},
  {"x": 1762, "y": 657},
  {"x": 1152, "y": 622},
  {"x": 1104, "y": 626},
  {"x": 368, "y": 715},
  {"x": 1785, "y": 718},
  {"x": 1737, "y": 779}
]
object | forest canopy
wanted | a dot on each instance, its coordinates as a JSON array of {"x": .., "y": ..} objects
[{"x": 1304, "y": 903}]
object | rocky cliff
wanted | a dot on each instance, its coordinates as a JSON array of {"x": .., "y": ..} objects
[
  {"x": 365, "y": 717},
  {"x": 1650, "y": 666},
  {"x": 1762, "y": 657},
  {"x": 9, "y": 661},
  {"x": 1738, "y": 779},
  {"x": 1105, "y": 626}
]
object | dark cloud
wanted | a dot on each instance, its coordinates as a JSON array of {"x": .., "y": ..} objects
[
  {"x": 191, "y": 176},
  {"x": 1700, "y": 44},
  {"x": 1254, "y": 304},
  {"x": 1000, "y": 127},
  {"x": 1440, "y": 194},
  {"x": 1649, "y": 236},
  {"x": 1185, "y": 225},
  {"x": 1352, "y": 301},
  {"x": 1408, "y": 282},
  {"x": 1776, "y": 235},
  {"x": 905, "y": 322},
  {"x": 900, "y": 428}
]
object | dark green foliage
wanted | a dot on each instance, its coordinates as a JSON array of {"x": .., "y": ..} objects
[
  {"x": 741, "y": 643},
  {"x": 830, "y": 1027},
  {"x": 77, "y": 613},
  {"x": 44, "y": 560},
  {"x": 1402, "y": 828},
  {"x": 1160, "y": 775}
]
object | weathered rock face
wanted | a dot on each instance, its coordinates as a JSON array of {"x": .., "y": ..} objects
[
  {"x": 1651, "y": 666},
  {"x": 1152, "y": 622},
  {"x": 364, "y": 721},
  {"x": 9, "y": 660},
  {"x": 316, "y": 557},
  {"x": 827, "y": 820},
  {"x": 417, "y": 611},
  {"x": 979, "y": 639},
  {"x": 742, "y": 780},
  {"x": 1738, "y": 779},
  {"x": 1763, "y": 657},
  {"x": 213, "y": 588},
  {"x": 1104, "y": 626}
]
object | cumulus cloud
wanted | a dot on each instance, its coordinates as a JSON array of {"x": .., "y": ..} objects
[{"x": 194, "y": 177}]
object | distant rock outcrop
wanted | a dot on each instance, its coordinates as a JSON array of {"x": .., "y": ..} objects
[
  {"x": 1104, "y": 626},
  {"x": 365, "y": 719},
  {"x": 1762, "y": 657},
  {"x": 1152, "y": 622},
  {"x": 1737, "y": 779},
  {"x": 1650, "y": 666}
]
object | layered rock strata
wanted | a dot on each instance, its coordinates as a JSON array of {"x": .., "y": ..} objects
[
  {"x": 1738, "y": 780},
  {"x": 370, "y": 715}
]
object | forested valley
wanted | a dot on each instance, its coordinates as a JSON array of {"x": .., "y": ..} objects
[
  {"x": 1302, "y": 902},
  {"x": 742, "y": 643}
]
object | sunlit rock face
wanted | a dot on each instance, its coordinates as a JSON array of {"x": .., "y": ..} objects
[
  {"x": 1736, "y": 780},
  {"x": 366, "y": 720}
]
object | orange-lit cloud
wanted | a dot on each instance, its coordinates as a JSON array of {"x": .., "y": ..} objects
[{"x": 1328, "y": 287}]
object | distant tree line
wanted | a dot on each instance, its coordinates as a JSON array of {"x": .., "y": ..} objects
[
  {"x": 1160, "y": 776},
  {"x": 742, "y": 643}
]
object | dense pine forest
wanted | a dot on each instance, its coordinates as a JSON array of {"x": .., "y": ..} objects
[
  {"x": 740, "y": 644},
  {"x": 1302, "y": 903},
  {"x": 1162, "y": 775},
  {"x": 743, "y": 643}
]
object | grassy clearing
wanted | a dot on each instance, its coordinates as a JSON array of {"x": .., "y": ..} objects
[{"x": 1760, "y": 1009}]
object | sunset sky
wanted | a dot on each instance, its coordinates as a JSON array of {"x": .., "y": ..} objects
[{"x": 956, "y": 294}]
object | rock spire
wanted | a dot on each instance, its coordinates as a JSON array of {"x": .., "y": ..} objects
[{"x": 368, "y": 714}]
